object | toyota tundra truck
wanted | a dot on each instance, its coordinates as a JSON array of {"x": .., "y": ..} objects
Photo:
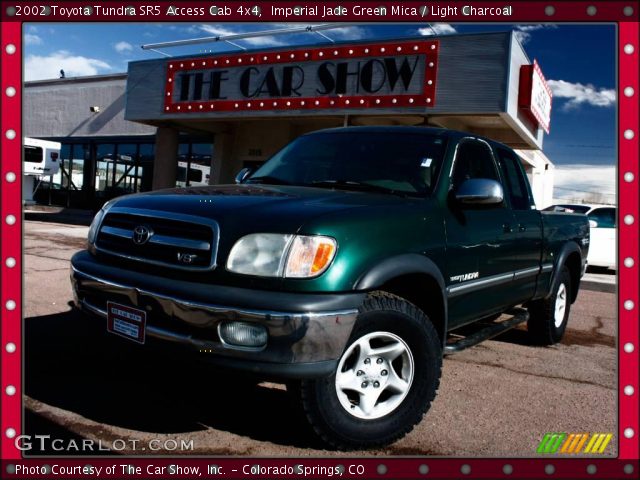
[{"x": 345, "y": 266}]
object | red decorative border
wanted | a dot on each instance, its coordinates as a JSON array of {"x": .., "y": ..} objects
[
  {"x": 522, "y": 11},
  {"x": 425, "y": 99},
  {"x": 373, "y": 468},
  {"x": 628, "y": 281},
  {"x": 11, "y": 236},
  {"x": 628, "y": 220}
]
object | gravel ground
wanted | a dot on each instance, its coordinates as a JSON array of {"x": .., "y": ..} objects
[{"x": 496, "y": 399}]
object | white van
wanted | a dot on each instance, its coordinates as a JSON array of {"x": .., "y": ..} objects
[{"x": 40, "y": 158}]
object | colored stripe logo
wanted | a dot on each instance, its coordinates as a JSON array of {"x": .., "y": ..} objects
[{"x": 574, "y": 443}]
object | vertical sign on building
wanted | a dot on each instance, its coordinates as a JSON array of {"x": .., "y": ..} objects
[{"x": 534, "y": 96}]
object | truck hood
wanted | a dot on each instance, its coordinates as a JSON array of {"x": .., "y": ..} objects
[
  {"x": 241, "y": 210},
  {"x": 256, "y": 208}
]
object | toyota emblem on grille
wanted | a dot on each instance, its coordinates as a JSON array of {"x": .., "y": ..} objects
[{"x": 141, "y": 234}]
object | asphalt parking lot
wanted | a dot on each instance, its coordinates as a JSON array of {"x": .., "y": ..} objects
[{"x": 496, "y": 399}]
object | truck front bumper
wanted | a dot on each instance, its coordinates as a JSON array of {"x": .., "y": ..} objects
[{"x": 307, "y": 333}]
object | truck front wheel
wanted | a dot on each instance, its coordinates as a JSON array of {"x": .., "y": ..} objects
[{"x": 385, "y": 379}]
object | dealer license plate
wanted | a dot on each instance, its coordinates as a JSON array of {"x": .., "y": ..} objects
[{"x": 126, "y": 321}]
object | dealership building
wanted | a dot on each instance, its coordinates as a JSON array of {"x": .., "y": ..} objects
[{"x": 198, "y": 120}]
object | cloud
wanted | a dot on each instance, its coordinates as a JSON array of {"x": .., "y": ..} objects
[
  {"x": 577, "y": 182},
  {"x": 37, "y": 67},
  {"x": 346, "y": 33},
  {"x": 32, "y": 39},
  {"x": 580, "y": 94},
  {"x": 123, "y": 47},
  {"x": 220, "y": 31},
  {"x": 523, "y": 32},
  {"x": 338, "y": 33},
  {"x": 438, "y": 28}
]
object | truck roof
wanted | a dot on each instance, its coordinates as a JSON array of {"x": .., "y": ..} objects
[
  {"x": 405, "y": 129},
  {"x": 383, "y": 128}
]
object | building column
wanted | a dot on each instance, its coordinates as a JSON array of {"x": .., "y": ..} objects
[
  {"x": 166, "y": 158},
  {"x": 222, "y": 167},
  {"x": 89, "y": 174}
]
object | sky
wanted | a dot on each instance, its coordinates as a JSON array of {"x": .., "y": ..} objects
[{"x": 578, "y": 62}]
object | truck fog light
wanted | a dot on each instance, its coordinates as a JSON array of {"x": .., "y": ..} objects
[{"x": 242, "y": 334}]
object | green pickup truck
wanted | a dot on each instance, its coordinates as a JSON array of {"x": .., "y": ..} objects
[{"x": 345, "y": 266}]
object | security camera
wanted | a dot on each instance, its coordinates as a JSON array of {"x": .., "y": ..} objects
[{"x": 94, "y": 109}]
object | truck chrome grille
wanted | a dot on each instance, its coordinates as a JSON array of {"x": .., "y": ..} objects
[{"x": 172, "y": 240}]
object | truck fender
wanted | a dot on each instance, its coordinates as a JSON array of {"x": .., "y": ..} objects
[
  {"x": 406, "y": 264},
  {"x": 567, "y": 249}
]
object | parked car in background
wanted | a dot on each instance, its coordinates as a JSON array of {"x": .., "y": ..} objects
[{"x": 602, "y": 220}]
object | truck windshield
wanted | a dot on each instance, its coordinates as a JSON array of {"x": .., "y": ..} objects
[{"x": 401, "y": 163}]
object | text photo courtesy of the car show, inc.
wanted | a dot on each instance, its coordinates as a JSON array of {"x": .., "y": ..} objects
[{"x": 302, "y": 241}]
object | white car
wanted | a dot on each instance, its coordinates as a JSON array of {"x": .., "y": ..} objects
[{"x": 602, "y": 220}]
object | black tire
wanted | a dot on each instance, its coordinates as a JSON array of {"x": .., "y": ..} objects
[
  {"x": 543, "y": 327},
  {"x": 380, "y": 317}
]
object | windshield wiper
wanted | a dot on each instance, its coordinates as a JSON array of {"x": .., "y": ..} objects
[
  {"x": 269, "y": 180},
  {"x": 354, "y": 185}
]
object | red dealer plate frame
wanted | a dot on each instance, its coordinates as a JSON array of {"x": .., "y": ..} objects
[
  {"x": 300, "y": 55},
  {"x": 624, "y": 466},
  {"x": 122, "y": 321}
]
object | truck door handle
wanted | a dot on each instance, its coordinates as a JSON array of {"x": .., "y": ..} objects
[
  {"x": 522, "y": 228},
  {"x": 507, "y": 228}
]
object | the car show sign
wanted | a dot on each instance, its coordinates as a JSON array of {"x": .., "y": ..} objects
[
  {"x": 332, "y": 77},
  {"x": 535, "y": 95}
]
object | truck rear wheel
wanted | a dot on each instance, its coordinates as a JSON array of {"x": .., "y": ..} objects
[
  {"x": 548, "y": 317},
  {"x": 385, "y": 380}
]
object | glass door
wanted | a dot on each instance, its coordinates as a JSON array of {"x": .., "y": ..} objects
[{"x": 124, "y": 171}]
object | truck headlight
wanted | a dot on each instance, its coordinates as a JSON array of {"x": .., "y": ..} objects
[
  {"x": 97, "y": 220},
  {"x": 277, "y": 255},
  {"x": 309, "y": 256},
  {"x": 259, "y": 254}
]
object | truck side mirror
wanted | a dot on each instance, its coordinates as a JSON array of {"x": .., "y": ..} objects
[
  {"x": 593, "y": 223},
  {"x": 480, "y": 191},
  {"x": 243, "y": 174}
]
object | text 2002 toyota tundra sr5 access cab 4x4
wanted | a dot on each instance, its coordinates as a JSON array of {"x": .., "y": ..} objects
[{"x": 342, "y": 263}]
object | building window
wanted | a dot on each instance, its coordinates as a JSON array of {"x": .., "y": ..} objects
[
  {"x": 125, "y": 179},
  {"x": 56, "y": 181},
  {"x": 144, "y": 171},
  {"x": 92, "y": 173},
  {"x": 194, "y": 164}
]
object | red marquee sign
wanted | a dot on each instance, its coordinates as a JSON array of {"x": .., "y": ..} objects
[{"x": 382, "y": 75}]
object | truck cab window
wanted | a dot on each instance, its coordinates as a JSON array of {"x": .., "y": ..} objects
[
  {"x": 473, "y": 160},
  {"x": 514, "y": 181}
]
